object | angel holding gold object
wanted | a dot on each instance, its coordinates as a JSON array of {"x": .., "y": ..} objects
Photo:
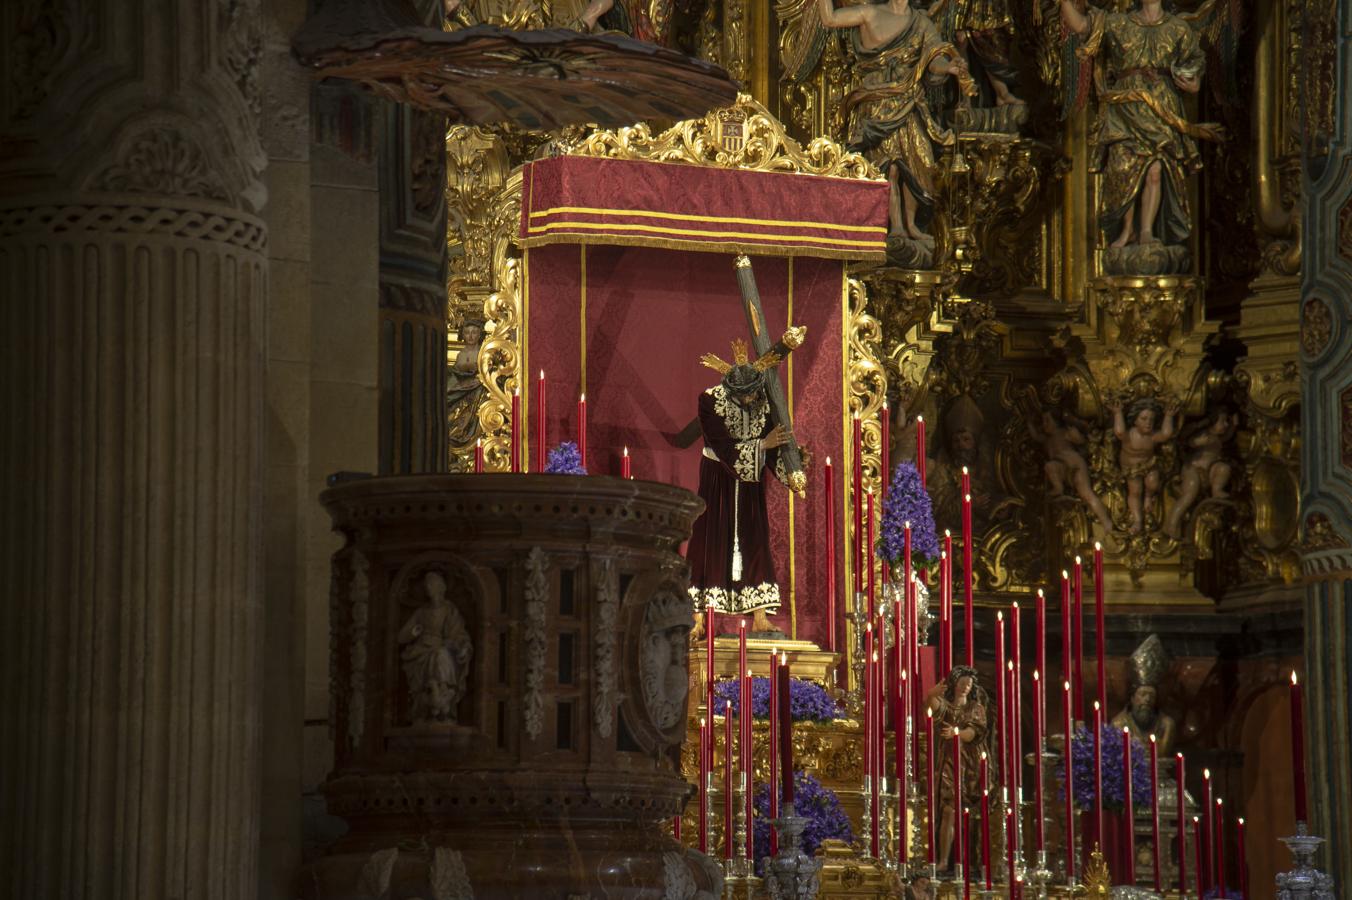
[
  {"x": 1145, "y": 148},
  {"x": 731, "y": 567},
  {"x": 898, "y": 53}
]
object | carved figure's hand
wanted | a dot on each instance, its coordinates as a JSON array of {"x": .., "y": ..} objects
[{"x": 777, "y": 437}]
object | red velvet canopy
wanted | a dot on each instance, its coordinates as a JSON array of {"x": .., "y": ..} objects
[{"x": 625, "y": 318}]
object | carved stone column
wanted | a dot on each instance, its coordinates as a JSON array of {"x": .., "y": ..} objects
[
  {"x": 412, "y": 291},
  {"x": 135, "y": 283}
]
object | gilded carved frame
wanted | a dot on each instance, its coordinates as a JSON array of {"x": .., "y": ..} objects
[{"x": 742, "y": 136}]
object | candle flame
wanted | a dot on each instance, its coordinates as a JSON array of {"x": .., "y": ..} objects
[
  {"x": 701, "y": 721},
  {"x": 1096, "y": 706},
  {"x": 1066, "y": 686},
  {"x": 1077, "y": 559},
  {"x": 964, "y": 470},
  {"x": 1195, "y": 820},
  {"x": 1241, "y": 821},
  {"x": 929, "y": 713},
  {"x": 947, "y": 533},
  {"x": 582, "y": 396},
  {"x": 748, "y": 673},
  {"x": 1065, "y": 576},
  {"x": 903, "y": 674},
  {"x": 875, "y": 657},
  {"x": 516, "y": 392},
  {"x": 1040, "y": 594},
  {"x": 1293, "y": 677},
  {"x": 1010, "y": 665},
  {"x": 1035, "y": 675},
  {"x": 828, "y": 460},
  {"x": 983, "y": 754},
  {"x": 1000, "y": 615},
  {"x": 741, "y": 623},
  {"x": 1126, "y": 730},
  {"x": 908, "y": 524},
  {"x": 626, "y": 451},
  {"x": 920, "y": 418},
  {"x": 1016, "y": 606},
  {"x": 1178, "y": 756},
  {"x": 1220, "y": 802},
  {"x": 542, "y": 374},
  {"x": 1152, "y": 738},
  {"x": 967, "y": 498},
  {"x": 1098, "y": 548},
  {"x": 1206, "y": 774},
  {"x": 478, "y": 442}
]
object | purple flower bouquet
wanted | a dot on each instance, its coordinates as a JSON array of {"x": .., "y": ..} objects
[
  {"x": 814, "y": 802},
  {"x": 808, "y": 701},
  {"x": 1114, "y": 793},
  {"x": 565, "y": 459},
  {"x": 907, "y": 501}
]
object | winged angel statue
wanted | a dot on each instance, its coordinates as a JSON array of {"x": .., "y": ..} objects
[
  {"x": 1140, "y": 64},
  {"x": 899, "y": 58}
]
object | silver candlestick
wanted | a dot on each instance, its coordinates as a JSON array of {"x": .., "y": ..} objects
[
  {"x": 791, "y": 874},
  {"x": 1040, "y": 877},
  {"x": 1304, "y": 882}
]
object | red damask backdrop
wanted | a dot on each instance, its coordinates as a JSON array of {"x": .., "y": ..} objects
[{"x": 650, "y": 315}]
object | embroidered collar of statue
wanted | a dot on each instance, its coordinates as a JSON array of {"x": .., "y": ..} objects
[{"x": 742, "y": 424}]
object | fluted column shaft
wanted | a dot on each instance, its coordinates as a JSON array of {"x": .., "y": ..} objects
[{"x": 133, "y": 284}]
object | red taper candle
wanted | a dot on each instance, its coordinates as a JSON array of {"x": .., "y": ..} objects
[
  {"x": 729, "y": 785},
  {"x": 1099, "y": 631},
  {"x": 875, "y": 821},
  {"x": 1040, "y": 646},
  {"x": 1197, "y": 855},
  {"x": 1067, "y": 651},
  {"x": 1039, "y": 811},
  {"x": 626, "y": 470},
  {"x": 868, "y": 561},
  {"x": 1205, "y": 873},
  {"x": 930, "y": 791},
  {"x": 1243, "y": 862},
  {"x": 945, "y": 623},
  {"x": 1220, "y": 845},
  {"x": 1128, "y": 810},
  {"x": 829, "y": 497},
  {"x": 785, "y": 733},
  {"x": 1298, "y": 748},
  {"x": 1182, "y": 824},
  {"x": 1068, "y": 720},
  {"x": 1001, "y": 717},
  {"x": 1155, "y": 811},
  {"x": 986, "y": 836},
  {"x": 966, "y": 854},
  {"x": 515, "y": 454},
  {"x": 959, "y": 855},
  {"x": 920, "y": 447},
  {"x": 541, "y": 424},
  {"x": 705, "y": 737},
  {"x": 968, "y": 619},
  {"x": 582, "y": 428},
  {"x": 478, "y": 456},
  {"x": 747, "y": 721},
  {"x": 1077, "y": 617},
  {"x": 1010, "y": 850},
  {"x": 773, "y": 784},
  {"x": 1098, "y": 773},
  {"x": 886, "y": 448},
  {"x": 856, "y": 551},
  {"x": 1016, "y": 701}
]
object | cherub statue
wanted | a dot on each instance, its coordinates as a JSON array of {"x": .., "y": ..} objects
[
  {"x": 1063, "y": 435},
  {"x": 1136, "y": 459},
  {"x": 1205, "y": 466},
  {"x": 898, "y": 53},
  {"x": 436, "y": 654},
  {"x": 1144, "y": 146}
]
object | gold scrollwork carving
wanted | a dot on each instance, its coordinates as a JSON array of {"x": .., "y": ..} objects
[{"x": 763, "y": 145}]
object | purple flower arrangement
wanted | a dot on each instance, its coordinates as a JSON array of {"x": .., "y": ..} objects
[
  {"x": 907, "y": 501},
  {"x": 1082, "y": 764},
  {"x": 814, "y": 802},
  {"x": 565, "y": 459},
  {"x": 808, "y": 701}
]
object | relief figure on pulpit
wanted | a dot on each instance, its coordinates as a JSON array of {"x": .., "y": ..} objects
[
  {"x": 898, "y": 54},
  {"x": 1145, "y": 148},
  {"x": 435, "y": 651},
  {"x": 464, "y": 390},
  {"x": 1138, "y": 461},
  {"x": 960, "y": 707},
  {"x": 731, "y": 566}
]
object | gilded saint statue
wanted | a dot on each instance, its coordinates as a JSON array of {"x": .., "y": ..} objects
[
  {"x": 1138, "y": 461},
  {"x": 464, "y": 390},
  {"x": 1145, "y": 148},
  {"x": 959, "y": 705},
  {"x": 898, "y": 54},
  {"x": 984, "y": 31},
  {"x": 1142, "y": 715}
]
